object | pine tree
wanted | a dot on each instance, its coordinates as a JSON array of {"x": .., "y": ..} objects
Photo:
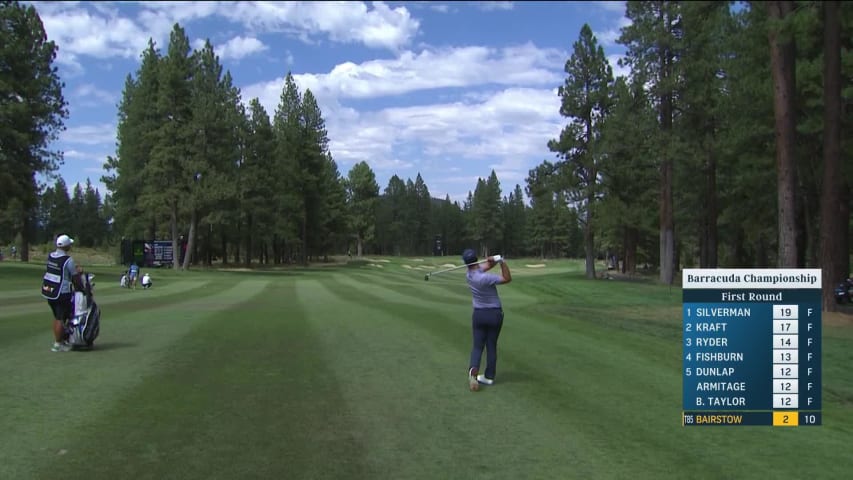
[
  {"x": 362, "y": 200},
  {"x": 166, "y": 178},
  {"x": 258, "y": 181},
  {"x": 34, "y": 115},
  {"x": 289, "y": 198},
  {"x": 586, "y": 100},
  {"x": 651, "y": 40},
  {"x": 138, "y": 120}
]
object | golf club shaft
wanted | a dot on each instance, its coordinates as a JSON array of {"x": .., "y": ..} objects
[{"x": 460, "y": 266}]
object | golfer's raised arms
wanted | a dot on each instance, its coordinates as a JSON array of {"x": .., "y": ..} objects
[{"x": 505, "y": 276}]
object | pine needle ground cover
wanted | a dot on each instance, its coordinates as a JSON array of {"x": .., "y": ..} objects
[{"x": 358, "y": 371}]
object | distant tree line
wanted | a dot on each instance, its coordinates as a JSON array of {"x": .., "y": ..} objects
[{"x": 246, "y": 187}]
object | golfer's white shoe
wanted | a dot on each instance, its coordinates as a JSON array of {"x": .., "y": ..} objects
[
  {"x": 485, "y": 381},
  {"x": 472, "y": 379}
]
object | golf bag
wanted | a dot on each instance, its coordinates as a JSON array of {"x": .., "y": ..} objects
[
  {"x": 844, "y": 291},
  {"x": 85, "y": 324},
  {"x": 123, "y": 282}
]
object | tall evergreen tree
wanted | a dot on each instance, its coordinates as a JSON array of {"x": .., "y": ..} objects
[
  {"x": 586, "y": 98},
  {"x": 138, "y": 120},
  {"x": 289, "y": 200},
  {"x": 362, "y": 199},
  {"x": 33, "y": 112},
  {"x": 167, "y": 178},
  {"x": 258, "y": 181},
  {"x": 834, "y": 250},
  {"x": 651, "y": 41},
  {"x": 783, "y": 68}
]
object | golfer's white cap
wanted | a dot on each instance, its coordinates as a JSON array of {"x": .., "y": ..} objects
[{"x": 64, "y": 241}]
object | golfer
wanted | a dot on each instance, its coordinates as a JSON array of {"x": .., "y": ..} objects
[
  {"x": 134, "y": 274},
  {"x": 56, "y": 288},
  {"x": 488, "y": 316}
]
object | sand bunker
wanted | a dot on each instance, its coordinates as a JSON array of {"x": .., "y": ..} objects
[
  {"x": 538, "y": 265},
  {"x": 382, "y": 260},
  {"x": 448, "y": 265},
  {"x": 417, "y": 259},
  {"x": 375, "y": 265},
  {"x": 407, "y": 266}
]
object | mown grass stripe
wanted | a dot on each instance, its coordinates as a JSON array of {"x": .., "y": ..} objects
[
  {"x": 411, "y": 394},
  {"x": 54, "y": 396},
  {"x": 38, "y": 303},
  {"x": 243, "y": 395}
]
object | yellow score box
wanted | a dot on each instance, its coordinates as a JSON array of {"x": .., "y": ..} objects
[{"x": 786, "y": 419}]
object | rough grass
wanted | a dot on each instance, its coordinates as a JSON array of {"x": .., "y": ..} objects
[{"x": 355, "y": 371}]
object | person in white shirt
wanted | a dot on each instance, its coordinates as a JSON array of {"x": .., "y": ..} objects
[
  {"x": 146, "y": 280},
  {"x": 59, "y": 276}
]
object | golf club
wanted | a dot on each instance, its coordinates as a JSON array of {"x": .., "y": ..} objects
[{"x": 426, "y": 277}]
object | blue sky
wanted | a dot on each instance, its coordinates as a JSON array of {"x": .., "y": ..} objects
[{"x": 452, "y": 90}]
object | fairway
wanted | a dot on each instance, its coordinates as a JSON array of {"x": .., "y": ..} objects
[{"x": 359, "y": 371}]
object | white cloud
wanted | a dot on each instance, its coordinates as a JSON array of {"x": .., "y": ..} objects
[
  {"x": 104, "y": 32},
  {"x": 429, "y": 69},
  {"x": 79, "y": 32},
  {"x": 440, "y": 8},
  {"x": 505, "y": 114},
  {"x": 240, "y": 47},
  {"x": 89, "y": 95},
  {"x": 617, "y": 70},
  {"x": 101, "y": 134},
  {"x": 608, "y": 37},
  {"x": 234, "y": 49},
  {"x": 379, "y": 27},
  {"x": 492, "y": 6}
]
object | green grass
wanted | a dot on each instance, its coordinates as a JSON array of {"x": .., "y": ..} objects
[{"x": 357, "y": 371}]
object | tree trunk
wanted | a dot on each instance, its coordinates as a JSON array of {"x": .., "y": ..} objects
[
  {"x": 25, "y": 235},
  {"x": 834, "y": 259},
  {"x": 176, "y": 249},
  {"x": 782, "y": 65},
  {"x": 239, "y": 243},
  {"x": 208, "y": 246},
  {"x": 359, "y": 246},
  {"x": 223, "y": 239},
  {"x": 710, "y": 243},
  {"x": 304, "y": 236},
  {"x": 589, "y": 241},
  {"x": 276, "y": 255},
  {"x": 629, "y": 262},
  {"x": 667, "y": 216},
  {"x": 249, "y": 241},
  {"x": 191, "y": 241}
]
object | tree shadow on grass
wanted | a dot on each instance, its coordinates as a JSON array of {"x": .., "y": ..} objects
[
  {"x": 98, "y": 347},
  {"x": 512, "y": 377}
]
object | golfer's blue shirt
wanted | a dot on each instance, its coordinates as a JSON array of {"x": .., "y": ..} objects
[{"x": 484, "y": 288}]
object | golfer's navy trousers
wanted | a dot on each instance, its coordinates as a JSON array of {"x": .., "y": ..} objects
[{"x": 486, "y": 324}]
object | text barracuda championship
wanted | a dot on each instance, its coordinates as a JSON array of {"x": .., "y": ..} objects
[{"x": 802, "y": 278}]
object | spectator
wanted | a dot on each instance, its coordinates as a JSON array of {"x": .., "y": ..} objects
[{"x": 134, "y": 274}]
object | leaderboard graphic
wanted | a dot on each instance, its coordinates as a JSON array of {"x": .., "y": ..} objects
[{"x": 752, "y": 353}]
